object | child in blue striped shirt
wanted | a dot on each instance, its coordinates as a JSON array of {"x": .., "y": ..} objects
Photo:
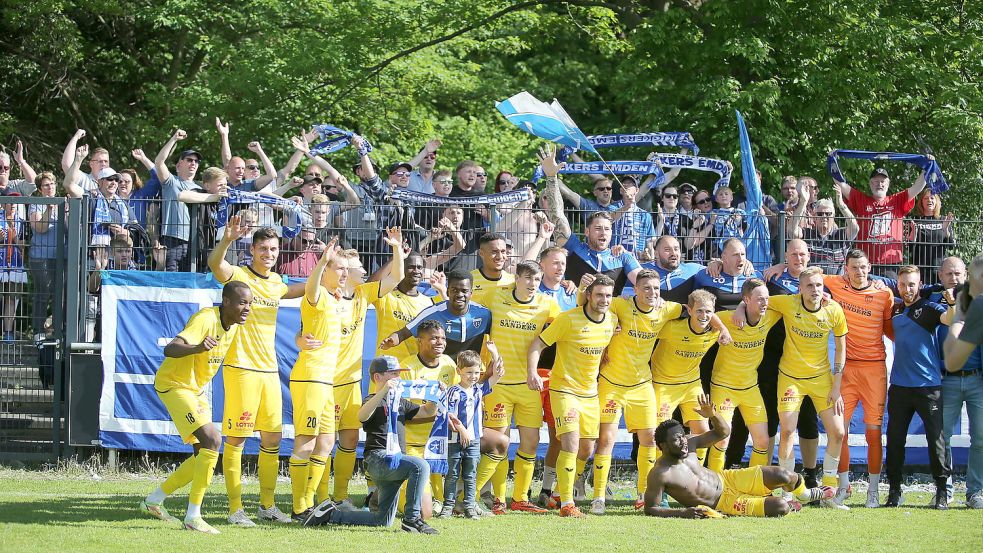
[{"x": 464, "y": 406}]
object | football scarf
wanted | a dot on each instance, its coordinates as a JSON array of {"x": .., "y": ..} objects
[
  {"x": 412, "y": 197},
  {"x": 435, "y": 452},
  {"x": 933, "y": 173},
  {"x": 334, "y": 139},
  {"x": 301, "y": 214}
]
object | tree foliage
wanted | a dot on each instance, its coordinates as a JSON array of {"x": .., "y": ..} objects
[{"x": 809, "y": 76}]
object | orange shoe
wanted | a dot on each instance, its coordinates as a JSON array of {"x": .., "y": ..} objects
[
  {"x": 498, "y": 507},
  {"x": 571, "y": 510},
  {"x": 526, "y": 507},
  {"x": 639, "y": 504},
  {"x": 553, "y": 502}
]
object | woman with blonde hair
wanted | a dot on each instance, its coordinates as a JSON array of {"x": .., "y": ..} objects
[{"x": 929, "y": 234}]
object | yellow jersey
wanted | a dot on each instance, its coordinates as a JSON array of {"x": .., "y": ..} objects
[
  {"x": 321, "y": 320},
  {"x": 677, "y": 356},
  {"x": 392, "y": 312},
  {"x": 481, "y": 285},
  {"x": 806, "y": 349},
  {"x": 351, "y": 313},
  {"x": 255, "y": 345},
  {"x": 413, "y": 368},
  {"x": 580, "y": 343},
  {"x": 628, "y": 355},
  {"x": 192, "y": 372},
  {"x": 736, "y": 365},
  {"x": 515, "y": 325}
]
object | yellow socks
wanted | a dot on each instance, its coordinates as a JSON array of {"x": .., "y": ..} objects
[
  {"x": 344, "y": 467},
  {"x": 486, "y": 468},
  {"x": 499, "y": 480},
  {"x": 232, "y": 470},
  {"x": 759, "y": 458},
  {"x": 716, "y": 462},
  {"x": 701, "y": 454},
  {"x": 205, "y": 463},
  {"x": 316, "y": 476},
  {"x": 524, "y": 465},
  {"x": 436, "y": 486},
  {"x": 645, "y": 462},
  {"x": 566, "y": 464},
  {"x": 602, "y": 467},
  {"x": 268, "y": 467},
  {"x": 299, "y": 474},
  {"x": 181, "y": 476}
]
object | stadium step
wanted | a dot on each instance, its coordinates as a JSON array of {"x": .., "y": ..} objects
[
  {"x": 27, "y": 422},
  {"x": 20, "y": 377},
  {"x": 30, "y": 401}
]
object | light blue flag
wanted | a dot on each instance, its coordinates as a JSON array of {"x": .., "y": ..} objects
[
  {"x": 549, "y": 121},
  {"x": 757, "y": 239}
]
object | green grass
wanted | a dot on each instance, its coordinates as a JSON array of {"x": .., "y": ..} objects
[{"x": 75, "y": 511}]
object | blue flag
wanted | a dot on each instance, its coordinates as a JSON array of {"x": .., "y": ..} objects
[
  {"x": 757, "y": 238},
  {"x": 549, "y": 121}
]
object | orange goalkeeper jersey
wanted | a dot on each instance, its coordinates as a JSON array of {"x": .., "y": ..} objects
[{"x": 868, "y": 316}]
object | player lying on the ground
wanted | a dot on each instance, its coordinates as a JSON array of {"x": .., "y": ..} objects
[{"x": 703, "y": 492}]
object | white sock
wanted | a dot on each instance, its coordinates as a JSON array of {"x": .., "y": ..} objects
[
  {"x": 844, "y": 479},
  {"x": 157, "y": 496},
  {"x": 830, "y": 463},
  {"x": 787, "y": 464},
  {"x": 194, "y": 511},
  {"x": 549, "y": 478},
  {"x": 875, "y": 480}
]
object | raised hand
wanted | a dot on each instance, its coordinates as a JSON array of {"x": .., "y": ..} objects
[
  {"x": 254, "y": 147},
  {"x": 180, "y": 134},
  {"x": 391, "y": 341},
  {"x": 547, "y": 159},
  {"x": 432, "y": 145},
  {"x": 310, "y": 135},
  {"x": 706, "y": 407},
  {"x": 19, "y": 153},
  {"x": 79, "y": 134},
  {"x": 300, "y": 143},
  {"x": 546, "y": 230},
  {"x": 394, "y": 237},
  {"x": 82, "y": 151},
  {"x": 222, "y": 129},
  {"x": 138, "y": 154},
  {"x": 586, "y": 280},
  {"x": 100, "y": 258},
  {"x": 236, "y": 228}
]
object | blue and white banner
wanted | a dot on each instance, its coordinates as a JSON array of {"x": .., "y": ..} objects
[
  {"x": 142, "y": 311},
  {"x": 678, "y": 139}
]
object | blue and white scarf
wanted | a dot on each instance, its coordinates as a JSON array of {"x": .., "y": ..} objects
[
  {"x": 616, "y": 168},
  {"x": 679, "y": 139},
  {"x": 435, "y": 452},
  {"x": 105, "y": 212},
  {"x": 718, "y": 166},
  {"x": 933, "y": 173},
  {"x": 334, "y": 139},
  {"x": 413, "y": 197},
  {"x": 301, "y": 214}
]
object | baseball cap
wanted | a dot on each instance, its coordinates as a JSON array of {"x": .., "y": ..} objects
[
  {"x": 382, "y": 364},
  {"x": 879, "y": 171},
  {"x": 189, "y": 153},
  {"x": 687, "y": 186},
  {"x": 397, "y": 165},
  {"x": 106, "y": 172},
  {"x": 311, "y": 178}
]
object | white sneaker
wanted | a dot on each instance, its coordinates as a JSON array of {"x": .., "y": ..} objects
[
  {"x": 837, "y": 501},
  {"x": 241, "y": 519},
  {"x": 873, "y": 499},
  {"x": 346, "y": 505},
  {"x": 597, "y": 506},
  {"x": 273, "y": 514}
]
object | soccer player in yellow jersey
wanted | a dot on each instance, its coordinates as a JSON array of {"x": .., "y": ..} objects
[
  {"x": 625, "y": 382},
  {"x": 253, "y": 400},
  {"x": 804, "y": 370},
  {"x": 494, "y": 255},
  {"x": 676, "y": 363},
  {"x": 429, "y": 364},
  {"x": 402, "y": 305},
  {"x": 311, "y": 381},
  {"x": 352, "y": 306},
  {"x": 191, "y": 359},
  {"x": 734, "y": 384},
  {"x": 519, "y": 315},
  {"x": 580, "y": 335}
]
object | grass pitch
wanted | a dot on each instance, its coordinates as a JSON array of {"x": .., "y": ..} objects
[{"x": 76, "y": 511}]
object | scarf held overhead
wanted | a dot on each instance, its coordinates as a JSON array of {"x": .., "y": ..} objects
[
  {"x": 301, "y": 214},
  {"x": 413, "y": 197},
  {"x": 933, "y": 173},
  {"x": 334, "y": 139},
  {"x": 435, "y": 452}
]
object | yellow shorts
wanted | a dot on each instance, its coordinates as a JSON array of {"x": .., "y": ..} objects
[
  {"x": 313, "y": 408},
  {"x": 507, "y": 400},
  {"x": 347, "y": 402},
  {"x": 744, "y": 492},
  {"x": 685, "y": 396},
  {"x": 749, "y": 401},
  {"x": 637, "y": 402},
  {"x": 574, "y": 413},
  {"x": 189, "y": 411},
  {"x": 253, "y": 401},
  {"x": 791, "y": 392}
]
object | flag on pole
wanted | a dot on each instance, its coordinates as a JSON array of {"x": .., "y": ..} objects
[
  {"x": 549, "y": 121},
  {"x": 757, "y": 238}
]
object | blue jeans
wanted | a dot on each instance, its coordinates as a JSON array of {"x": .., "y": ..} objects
[
  {"x": 957, "y": 390},
  {"x": 413, "y": 470},
  {"x": 461, "y": 462}
]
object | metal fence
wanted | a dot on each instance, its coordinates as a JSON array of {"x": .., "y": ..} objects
[{"x": 54, "y": 250}]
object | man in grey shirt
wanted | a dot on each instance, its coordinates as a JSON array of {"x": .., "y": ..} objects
[{"x": 175, "y": 228}]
